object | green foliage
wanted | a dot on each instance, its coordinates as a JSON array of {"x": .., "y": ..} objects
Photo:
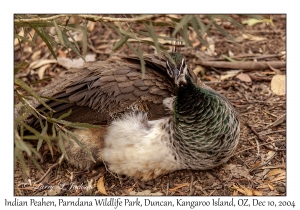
[
  {"x": 60, "y": 132},
  {"x": 181, "y": 24}
]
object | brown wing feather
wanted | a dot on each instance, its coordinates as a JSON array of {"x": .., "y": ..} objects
[{"x": 103, "y": 88}]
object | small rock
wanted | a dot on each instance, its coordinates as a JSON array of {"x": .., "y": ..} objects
[
  {"x": 281, "y": 189},
  {"x": 244, "y": 77}
]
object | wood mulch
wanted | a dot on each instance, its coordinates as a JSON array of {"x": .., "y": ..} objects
[{"x": 258, "y": 166}]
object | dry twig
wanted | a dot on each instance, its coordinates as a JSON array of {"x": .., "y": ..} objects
[
  {"x": 88, "y": 17},
  {"x": 277, "y": 122},
  {"x": 243, "y": 65},
  {"x": 254, "y": 147},
  {"x": 47, "y": 172},
  {"x": 256, "y": 133}
]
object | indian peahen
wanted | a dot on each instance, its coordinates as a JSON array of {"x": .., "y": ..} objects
[{"x": 166, "y": 121}]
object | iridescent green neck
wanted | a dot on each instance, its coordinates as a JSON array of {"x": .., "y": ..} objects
[
  {"x": 205, "y": 127},
  {"x": 197, "y": 112},
  {"x": 191, "y": 101}
]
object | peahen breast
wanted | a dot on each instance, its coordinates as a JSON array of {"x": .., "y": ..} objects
[{"x": 206, "y": 127}]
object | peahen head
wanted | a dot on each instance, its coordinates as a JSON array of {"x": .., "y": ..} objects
[{"x": 177, "y": 68}]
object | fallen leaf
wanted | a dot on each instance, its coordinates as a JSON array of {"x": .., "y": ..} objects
[
  {"x": 36, "y": 55},
  {"x": 244, "y": 77},
  {"x": 249, "y": 37},
  {"x": 230, "y": 53},
  {"x": 253, "y": 38},
  {"x": 235, "y": 193},
  {"x": 244, "y": 190},
  {"x": 270, "y": 185},
  {"x": 211, "y": 47},
  {"x": 278, "y": 178},
  {"x": 91, "y": 25},
  {"x": 256, "y": 192},
  {"x": 276, "y": 171},
  {"x": 199, "y": 69},
  {"x": 263, "y": 186},
  {"x": 61, "y": 54},
  {"x": 42, "y": 70},
  {"x": 238, "y": 189},
  {"x": 39, "y": 63},
  {"x": 247, "y": 191},
  {"x": 269, "y": 155},
  {"x": 278, "y": 84},
  {"x": 100, "y": 186},
  {"x": 251, "y": 21},
  {"x": 195, "y": 44},
  {"x": 75, "y": 63},
  {"x": 229, "y": 74}
]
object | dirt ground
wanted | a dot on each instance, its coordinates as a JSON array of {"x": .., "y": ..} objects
[{"x": 258, "y": 166}]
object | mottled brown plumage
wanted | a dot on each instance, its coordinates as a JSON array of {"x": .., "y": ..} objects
[{"x": 105, "y": 88}]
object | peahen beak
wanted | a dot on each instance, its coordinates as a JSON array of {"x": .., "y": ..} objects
[
  {"x": 179, "y": 77},
  {"x": 176, "y": 74}
]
